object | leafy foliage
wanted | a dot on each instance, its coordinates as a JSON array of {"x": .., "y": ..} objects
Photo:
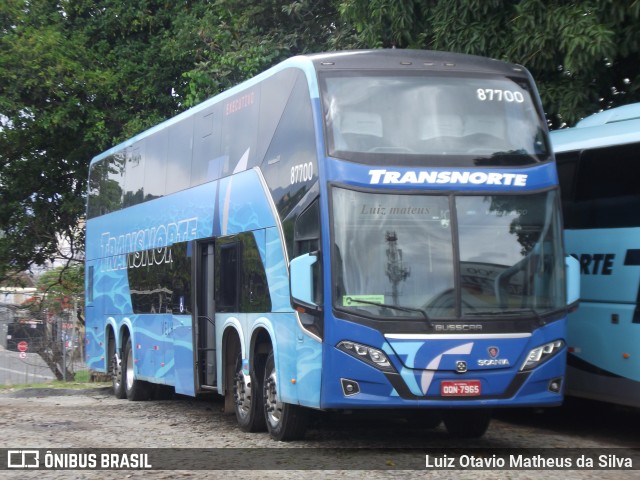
[
  {"x": 583, "y": 55},
  {"x": 240, "y": 39},
  {"x": 59, "y": 306},
  {"x": 77, "y": 76},
  {"x": 43, "y": 104},
  {"x": 60, "y": 290}
]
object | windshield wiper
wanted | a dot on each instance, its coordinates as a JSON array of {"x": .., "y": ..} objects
[
  {"x": 506, "y": 312},
  {"x": 394, "y": 307}
]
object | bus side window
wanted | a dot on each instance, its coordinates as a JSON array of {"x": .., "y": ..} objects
[
  {"x": 254, "y": 290},
  {"x": 227, "y": 277},
  {"x": 90, "y": 285},
  {"x": 306, "y": 230},
  {"x": 567, "y": 165}
]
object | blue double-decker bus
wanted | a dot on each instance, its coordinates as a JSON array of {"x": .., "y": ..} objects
[
  {"x": 353, "y": 230},
  {"x": 599, "y": 168}
]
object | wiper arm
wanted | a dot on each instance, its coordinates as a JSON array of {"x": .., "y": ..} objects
[
  {"x": 506, "y": 312},
  {"x": 393, "y": 307}
]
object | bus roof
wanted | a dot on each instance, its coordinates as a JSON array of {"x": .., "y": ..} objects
[
  {"x": 351, "y": 59},
  {"x": 407, "y": 59},
  {"x": 301, "y": 62},
  {"x": 617, "y": 126}
]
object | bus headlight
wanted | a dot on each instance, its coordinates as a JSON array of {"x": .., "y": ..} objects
[
  {"x": 541, "y": 354},
  {"x": 370, "y": 355}
]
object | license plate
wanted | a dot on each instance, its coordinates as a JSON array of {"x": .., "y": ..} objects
[{"x": 454, "y": 388}]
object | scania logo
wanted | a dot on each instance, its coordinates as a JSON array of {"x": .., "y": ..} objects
[
  {"x": 457, "y": 327},
  {"x": 461, "y": 366}
]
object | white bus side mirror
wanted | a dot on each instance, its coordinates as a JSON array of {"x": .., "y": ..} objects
[{"x": 301, "y": 278}]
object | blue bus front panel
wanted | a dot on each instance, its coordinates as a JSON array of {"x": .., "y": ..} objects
[{"x": 425, "y": 370}]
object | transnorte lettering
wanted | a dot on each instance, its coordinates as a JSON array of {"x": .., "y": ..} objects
[{"x": 439, "y": 177}]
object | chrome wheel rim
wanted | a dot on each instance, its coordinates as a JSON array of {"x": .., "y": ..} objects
[
  {"x": 129, "y": 370},
  {"x": 116, "y": 370},
  {"x": 242, "y": 393},
  {"x": 273, "y": 405}
]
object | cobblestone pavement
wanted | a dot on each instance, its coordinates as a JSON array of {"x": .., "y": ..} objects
[{"x": 48, "y": 419}]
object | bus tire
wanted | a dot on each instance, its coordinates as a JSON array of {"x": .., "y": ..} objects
[
  {"x": 247, "y": 395},
  {"x": 116, "y": 377},
  {"x": 472, "y": 423},
  {"x": 136, "y": 389},
  {"x": 115, "y": 368},
  {"x": 285, "y": 421},
  {"x": 427, "y": 419}
]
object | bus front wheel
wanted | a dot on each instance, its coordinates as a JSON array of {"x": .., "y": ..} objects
[
  {"x": 472, "y": 423},
  {"x": 284, "y": 421}
]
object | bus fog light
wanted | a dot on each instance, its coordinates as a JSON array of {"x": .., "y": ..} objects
[
  {"x": 370, "y": 355},
  {"x": 542, "y": 354},
  {"x": 349, "y": 387},
  {"x": 555, "y": 385}
]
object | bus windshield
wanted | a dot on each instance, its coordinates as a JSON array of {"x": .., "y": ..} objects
[
  {"x": 396, "y": 255},
  {"x": 441, "y": 120}
]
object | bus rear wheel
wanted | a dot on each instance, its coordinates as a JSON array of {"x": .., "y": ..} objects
[
  {"x": 284, "y": 421},
  {"x": 115, "y": 368},
  {"x": 116, "y": 377},
  {"x": 247, "y": 394},
  {"x": 136, "y": 389},
  {"x": 472, "y": 423}
]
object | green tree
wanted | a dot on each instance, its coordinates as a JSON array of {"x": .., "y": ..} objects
[
  {"x": 44, "y": 82},
  {"x": 240, "y": 39},
  {"x": 583, "y": 55},
  {"x": 76, "y": 76},
  {"x": 62, "y": 289},
  {"x": 59, "y": 304}
]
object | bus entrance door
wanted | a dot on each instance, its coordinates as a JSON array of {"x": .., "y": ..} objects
[{"x": 205, "y": 337}]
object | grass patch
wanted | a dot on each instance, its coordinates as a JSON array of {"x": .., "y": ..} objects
[
  {"x": 83, "y": 376},
  {"x": 82, "y": 381}
]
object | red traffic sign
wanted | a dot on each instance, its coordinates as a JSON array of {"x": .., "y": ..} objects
[{"x": 23, "y": 346}]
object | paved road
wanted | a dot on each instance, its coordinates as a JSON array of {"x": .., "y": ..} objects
[
  {"x": 16, "y": 371},
  {"x": 46, "y": 419}
]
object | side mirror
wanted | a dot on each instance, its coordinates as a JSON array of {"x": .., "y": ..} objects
[
  {"x": 573, "y": 280},
  {"x": 301, "y": 278}
]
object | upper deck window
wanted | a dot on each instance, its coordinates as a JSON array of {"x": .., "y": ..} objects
[{"x": 420, "y": 118}]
